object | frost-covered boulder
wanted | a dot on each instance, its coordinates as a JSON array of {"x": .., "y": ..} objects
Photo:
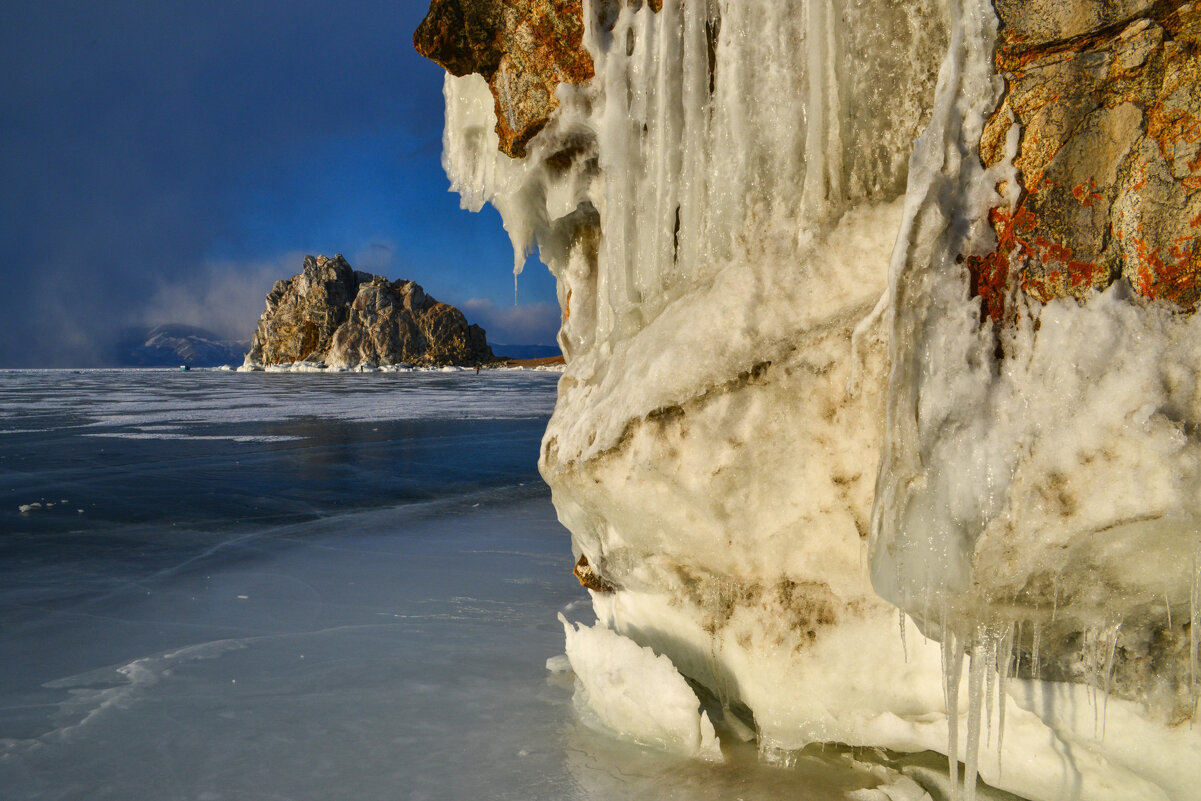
[
  {"x": 331, "y": 314},
  {"x": 839, "y": 364}
]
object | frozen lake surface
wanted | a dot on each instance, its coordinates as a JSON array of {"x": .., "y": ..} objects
[{"x": 297, "y": 586}]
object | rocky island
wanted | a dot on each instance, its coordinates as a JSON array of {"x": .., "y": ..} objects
[{"x": 333, "y": 314}]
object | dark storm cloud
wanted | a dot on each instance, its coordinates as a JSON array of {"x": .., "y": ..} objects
[{"x": 129, "y": 130}]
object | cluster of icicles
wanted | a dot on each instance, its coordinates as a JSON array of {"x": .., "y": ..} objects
[{"x": 994, "y": 654}]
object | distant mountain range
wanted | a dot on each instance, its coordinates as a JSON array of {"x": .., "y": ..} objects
[{"x": 174, "y": 345}]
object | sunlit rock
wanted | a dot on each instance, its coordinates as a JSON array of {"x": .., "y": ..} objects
[
  {"x": 1040, "y": 478},
  {"x": 1108, "y": 156},
  {"x": 524, "y": 49},
  {"x": 345, "y": 318}
]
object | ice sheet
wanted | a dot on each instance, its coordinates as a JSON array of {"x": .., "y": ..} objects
[
  {"x": 151, "y": 397},
  {"x": 395, "y": 653}
]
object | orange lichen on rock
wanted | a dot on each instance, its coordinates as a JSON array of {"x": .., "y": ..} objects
[
  {"x": 523, "y": 48},
  {"x": 1087, "y": 195},
  {"x": 1109, "y": 158},
  {"x": 990, "y": 274},
  {"x": 1174, "y": 278}
]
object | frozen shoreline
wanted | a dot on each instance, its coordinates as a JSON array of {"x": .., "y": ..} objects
[
  {"x": 317, "y": 367},
  {"x": 394, "y": 652},
  {"x": 298, "y": 367},
  {"x": 394, "y": 634}
]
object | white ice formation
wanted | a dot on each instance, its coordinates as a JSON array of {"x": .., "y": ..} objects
[
  {"x": 630, "y": 689},
  {"x": 782, "y": 430}
]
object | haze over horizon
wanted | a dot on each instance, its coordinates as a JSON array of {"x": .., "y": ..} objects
[{"x": 167, "y": 164}]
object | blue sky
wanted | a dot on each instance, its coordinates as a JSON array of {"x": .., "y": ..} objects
[{"x": 166, "y": 162}]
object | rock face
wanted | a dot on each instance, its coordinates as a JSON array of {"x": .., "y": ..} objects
[
  {"x": 1108, "y": 98},
  {"x": 523, "y": 48},
  {"x": 345, "y": 318},
  {"x": 876, "y": 310},
  {"x": 1086, "y": 280}
]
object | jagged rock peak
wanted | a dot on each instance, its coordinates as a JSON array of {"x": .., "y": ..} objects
[{"x": 343, "y": 317}]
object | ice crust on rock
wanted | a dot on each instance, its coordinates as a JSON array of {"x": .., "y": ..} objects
[
  {"x": 633, "y": 691},
  {"x": 902, "y": 789},
  {"x": 1039, "y": 508},
  {"x": 706, "y": 451},
  {"x": 1057, "y": 486},
  {"x": 759, "y": 262}
]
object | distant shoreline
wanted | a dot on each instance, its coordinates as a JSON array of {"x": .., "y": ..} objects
[
  {"x": 548, "y": 363},
  {"x": 545, "y": 361}
]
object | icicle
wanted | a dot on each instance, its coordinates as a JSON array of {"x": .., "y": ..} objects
[
  {"x": 990, "y": 674},
  {"x": 952, "y": 673},
  {"x": 1035, "y": 664},
  {"x": 1109, "y": 665},
  {"x": 1017, "y": 644},
  {"x": 1089, "y": 658},
  {"x": 1054, "y": 596},
  {"x": 1194, "y": 600},
  {"x": 858, "y": 334},
  {"x": 814, "y": 188},
  {"x": 975, "y": 682},
  {"x": 1167, "y": 605},
  {"x": 904, "y": 647},
  {"x": 926, "y": 611},
  {"x": 1008, "y": 643}
]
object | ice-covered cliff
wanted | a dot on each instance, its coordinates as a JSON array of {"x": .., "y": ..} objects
[{"x": 881, "y": 360}]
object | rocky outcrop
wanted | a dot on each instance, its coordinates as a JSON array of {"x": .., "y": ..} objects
[
  {"x": 346, "y": 318},
  {"x": 1096, "y": 142},
  {"x": 523, "y": 48},
  {"x": 1108, "y": 153}
]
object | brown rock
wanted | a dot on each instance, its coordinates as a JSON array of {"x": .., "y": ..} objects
[
  {"x": 303, "y": 312},
  {"x": 589, "y": 578},
  {"x": 1040, "y": 22},
  {"x": 333, "y": 314},
  {"x": 1109, "y": 160},
  {"x": 523, "y": 48}
]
